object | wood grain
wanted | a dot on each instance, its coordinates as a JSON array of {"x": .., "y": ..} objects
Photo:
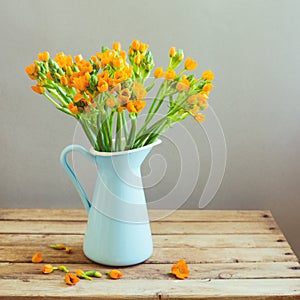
[{"x": 231, "y": 255}]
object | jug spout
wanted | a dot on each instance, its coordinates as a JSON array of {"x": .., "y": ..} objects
[{"x": 63, "y": 159}]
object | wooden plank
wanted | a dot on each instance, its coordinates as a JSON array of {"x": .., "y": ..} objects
[
  {"x": 165, "y": 215},
  {"x": 275, "y": 240},
  {"x": 236, "y": 289},
  {"x": 160, "y": 255},
  {"x": 159, "y": 271},
  {"x": 157, "y": 227}
]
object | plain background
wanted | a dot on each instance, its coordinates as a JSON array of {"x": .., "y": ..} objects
[{"x": 252, "y": 46}]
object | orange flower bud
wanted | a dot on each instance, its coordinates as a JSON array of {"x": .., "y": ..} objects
[
  {"x": 47, "y": 269},
  {"x": 138, "y": 59},
  {"x": 158, "y": 73},
  {"x": 118, "y": 62},
  {"x": 203, "y": 96},
  {"x": 117, "y": 46},
  {"x": 63, "y": 80},
  {"x": 60, "y": 246},
  {"x": 123, "y": 55},
  {"x": 38, "y": 89},
  {"x": 180, "y": 269},
  {"x": 37, "y": 258},
  {"x": 192, "y": 99},
  {"x": 71, "y": 279},
  {"x": 44, "y": 56},
  {"x": 115, "y": 274},
  {"x": 135, "y": 45},
  {"x": 172, "y": 52},
  {"x": 170, "y": 74},
  {"x": 208, "y": 75},
  {"x": 190, "y": 64}
]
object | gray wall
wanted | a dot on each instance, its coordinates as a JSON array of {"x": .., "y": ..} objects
[{"x": 253, "y": 47}]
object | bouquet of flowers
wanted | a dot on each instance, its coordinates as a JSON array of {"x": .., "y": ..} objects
[{"x": 107, "y": 93}]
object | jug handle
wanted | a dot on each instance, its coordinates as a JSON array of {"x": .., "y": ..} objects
[{"x": 63, "y": 159}]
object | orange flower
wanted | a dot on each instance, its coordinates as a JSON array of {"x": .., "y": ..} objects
[
  {"x": 63, "y": 60},
  {"x": 115, "y": 274},
  {"x": 203, "y": 96},
  {"x": 123, "y": 54},
  {"x": 102, "y": 85},
  {"x": 139, "y": 105},
  {"x": 170, "y": 74},
  {"x": 117, "y": 46},
  {"x": 118, "y": 62},
  {"x": 73, "y": 108},
  {"x": 172, "y": 52},
  {"x": 47, "y": 269},
  {"x": 84, "y": 66},
  {"x": 68, "y": 250},
  {"x": 71, "y": 279},
  {"x": 49, "y": 76},
  {"x": 78, "y": 58},
  {"x": 44, "y": 56},
  {"x": 120, "y": 76},
  {"x": 180, "y": 269},
  {"x": 139, "y": 90},
  {"x": 207, "y": 87},
  {"x": 37, "y": 258},
  {"x": 135, "y": 45},
  {"x": 190, "y": 64},
  {"x": 80, "y": 83},
  {"x": 192, "y": 99},
  {"x": 104, "y": 75},
  {"x": 208, "y": 75},
  {"x": 110, "y": 102},
  {"x": 159, "y": 72},
  {"x": 200, "y": 118},
  {"x": 183, "y": 85},
  {"x": 38, "y": 89},
  {"x": 31, "y": 71},
  {"x": 143, "y": 47}
]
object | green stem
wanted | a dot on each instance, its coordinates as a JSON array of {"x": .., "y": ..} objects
[
  {"x": 125, "y": 128},
  {"x": 118, "y": 142},
  {"x": 132, "y": 133},
  {"x": 89, "y": 134},
  {"x": 51, "y": 100}
]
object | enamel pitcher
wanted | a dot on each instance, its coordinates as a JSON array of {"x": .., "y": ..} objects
[{"x": 118, "y": 230}]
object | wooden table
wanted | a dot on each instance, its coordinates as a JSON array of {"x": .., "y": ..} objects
[{"x": 231, "y": 255}]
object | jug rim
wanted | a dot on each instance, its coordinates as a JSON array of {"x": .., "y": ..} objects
[{"x": 99, "y": 153}]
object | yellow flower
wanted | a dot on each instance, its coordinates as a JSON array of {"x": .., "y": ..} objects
[
  {"x": 63, "y": 80},
  {"x": 208, "y": 75},
  {"x": 159, "y": 72},
  {"x": 138, "y": 59},
  {"x": 190, "y": 64},
  {"x": 44, "y": 56},
  {"x": 170, "y": 74},
  {"x": 143, "y": 47}
]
